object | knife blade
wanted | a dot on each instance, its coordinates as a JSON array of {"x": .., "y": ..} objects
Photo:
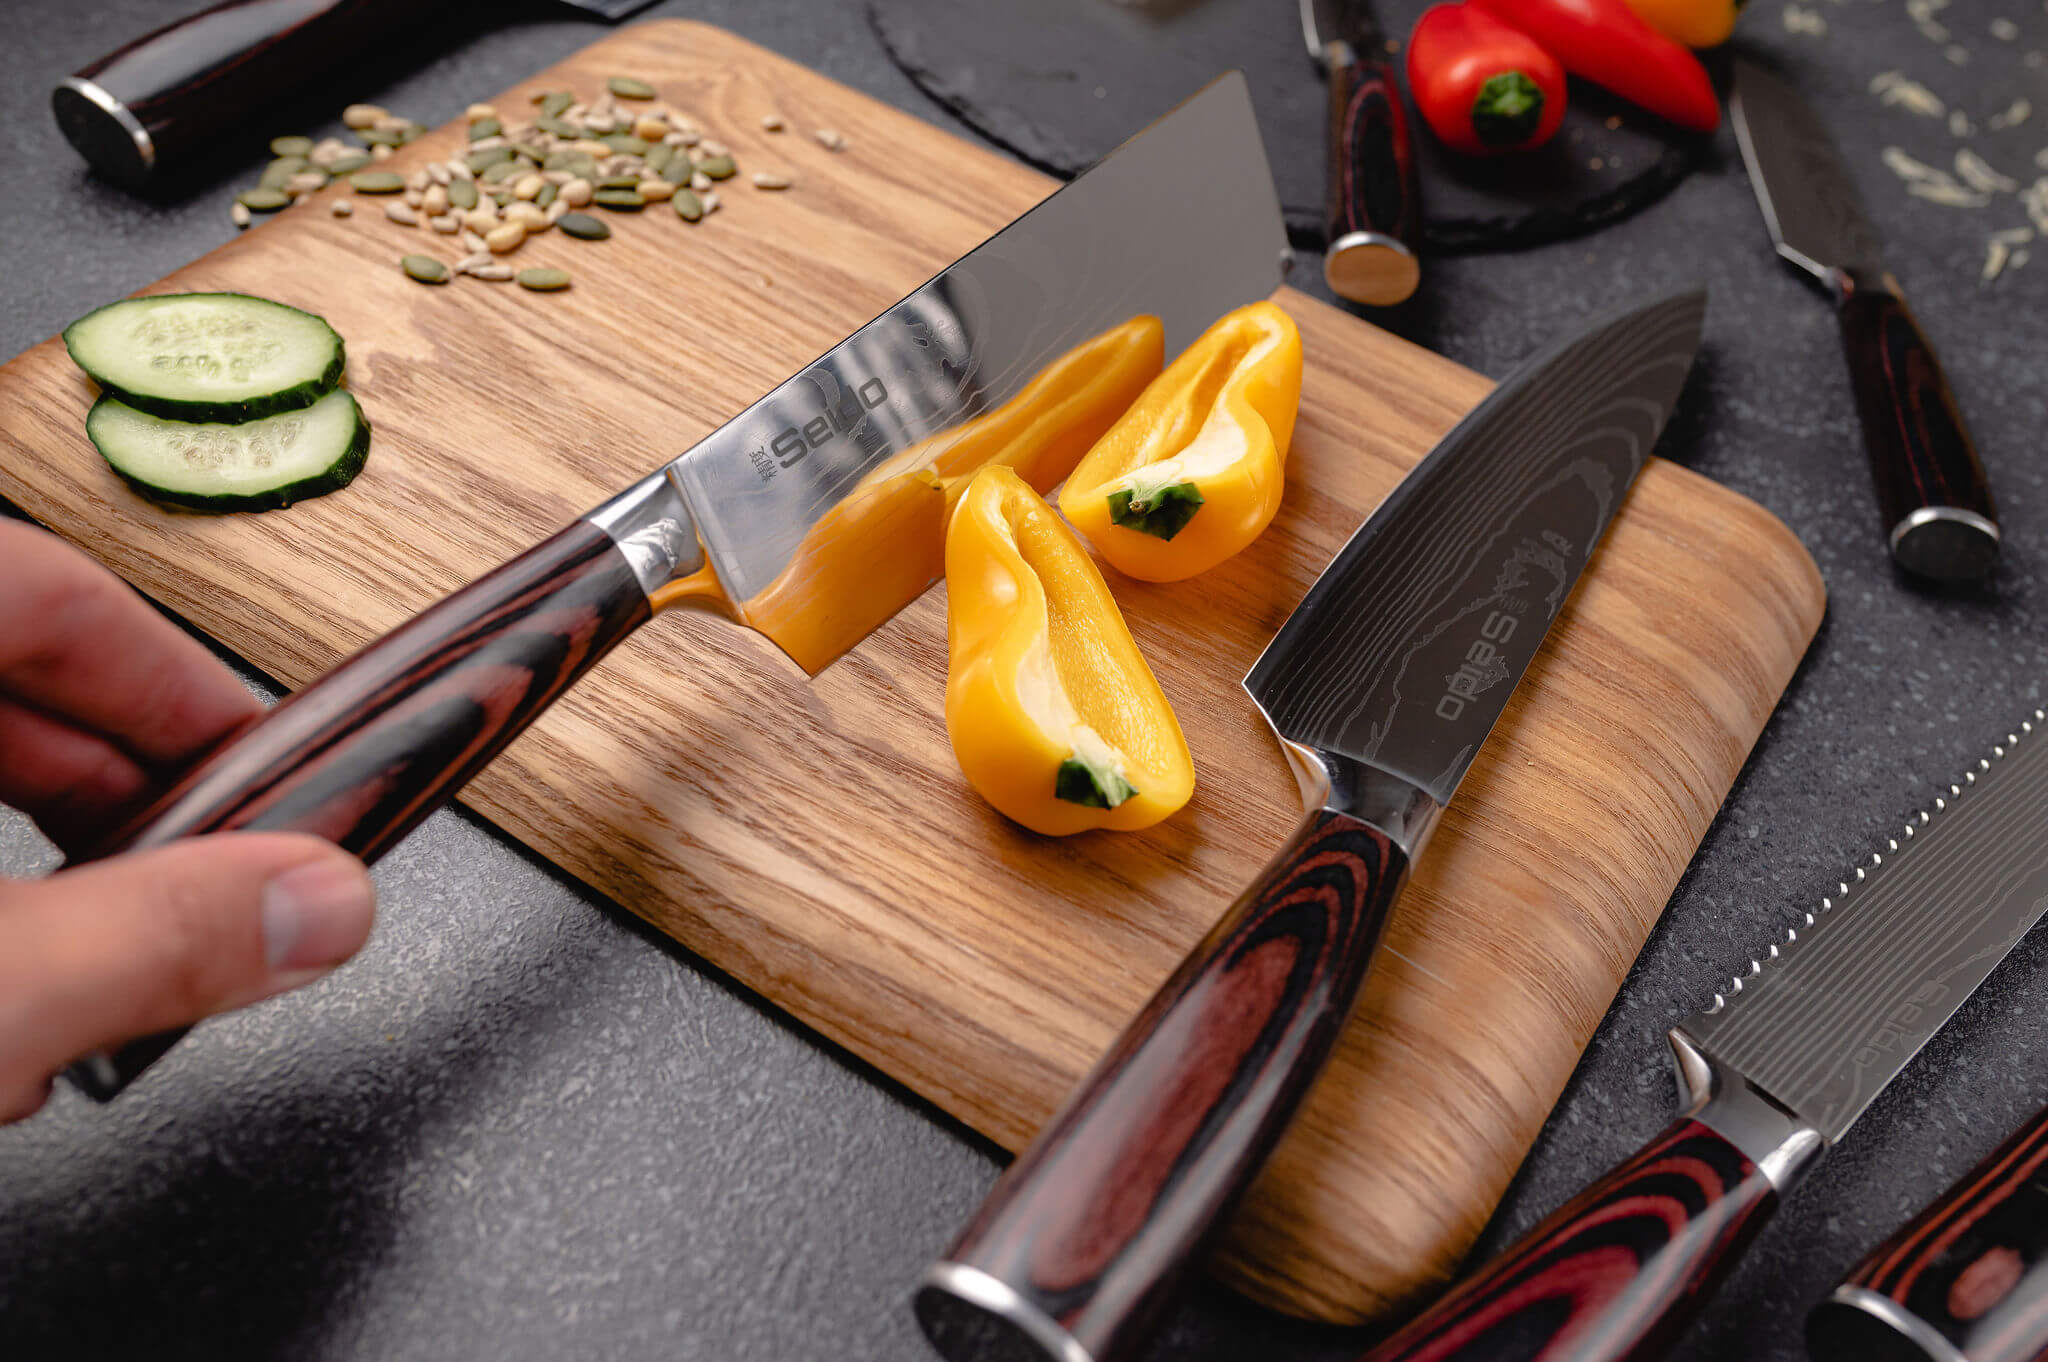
[
  {"x": 1372, "y": 205},
  {"x": 1965, "y": 1281},
  {"x": 1380, "y": 686},
  {"x": 1935, "y": 500},
  {"x": 782, "y": 519},
  {"x": 1773, "y": 1074}
]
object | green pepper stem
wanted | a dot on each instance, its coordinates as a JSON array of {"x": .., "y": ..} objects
[
  {"x": 1507, "y": 109},
  {"x": 1161, "y": 511},
  {"x": 1096, "y": 786}
]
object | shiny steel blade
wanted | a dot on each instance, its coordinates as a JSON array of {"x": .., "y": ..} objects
[
  {"x": 1347, "y": 21},
  {"x": 1810, "y": 203},
  {"x": 1405, "y": 650},
  {"x": 1825, "y": 1020},
  {"x": 1145, "y": 231}
]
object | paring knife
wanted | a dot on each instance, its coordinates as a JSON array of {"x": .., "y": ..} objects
[
  {"x": 1773, "y": 1074},
  {"x": 166, "y": 97},
  {"x": 1966, "y": 1281},
  {"x": 1380, "y": 686},
  {"x": 1372, "y": 207},
  {"x": 1931, "y": 489},
  {"x": 795, "y": 518}
]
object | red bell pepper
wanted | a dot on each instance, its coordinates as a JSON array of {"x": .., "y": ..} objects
[
  {"x": 1483, "y": 86},
  {"x": 1606, "y": 42}
]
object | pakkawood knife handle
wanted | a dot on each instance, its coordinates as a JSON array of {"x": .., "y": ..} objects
[
  {"x": 1968, "y": 1278},
  {"x": 1931, "y": 488},
  {"x": 367, "y": 751},
  {"x": 1087, "y": 1235},
  {"x": 1616, "y": 1272},
  {"x": 169, "y": 94},
  {"x": 1373, "y": 207}
]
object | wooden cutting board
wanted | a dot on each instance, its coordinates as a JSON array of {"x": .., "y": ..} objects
[{"x": 816, "y": 840}]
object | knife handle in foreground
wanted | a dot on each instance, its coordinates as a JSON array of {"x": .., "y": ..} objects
[
  {"x": 1373, "y": 209},
  {"x": 1931, "y": 488},
  {"x": 1965, "y": 1281},
  {"x": 367, "y": 751},
  {"x": 1085, "y": 1238},
  {"x": 168, "y": 95}
]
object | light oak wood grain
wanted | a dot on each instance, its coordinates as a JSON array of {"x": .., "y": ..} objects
[{"x": 815, "y": 840}]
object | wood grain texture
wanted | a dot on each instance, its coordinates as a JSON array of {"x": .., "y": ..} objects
[
  {"x": 1973, "y": 1266},
  {"x": 1613, "y": 1275},
  {"x": 1100, "y": 1220},
  {"x": 983, "y": 966}
]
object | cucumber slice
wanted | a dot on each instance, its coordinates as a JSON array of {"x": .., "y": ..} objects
[
  {"x": 207, "y": 356},
  {"x": 253, "y": 466}
]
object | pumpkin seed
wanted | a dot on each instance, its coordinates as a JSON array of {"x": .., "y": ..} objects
[
  {"x": 382, "y": 137},
  {"x": 583, "y": 227},
  {"x": 552, "y": 104},
  {"x": 619, "y": 182},
  {"x": 658, "y": 157},
  {"x": 560, "y": 127},
  {"x": 628, "y": 87},
  {"x": 548, "y": 194},
  {"x": 485, "y": 127},
  {"x": 678, "y": 170},
  {"x": 565, "y": 159},
  {"x": 462, "y": 194},
  {"x": 688, "y": 206},
  {"x": 291, "y": 146},
  {"x": 348, "y": 163},
  {"x": 544, "y": 281},
  {"x": 718, "y": 167},
  {"x": 480, "y": 161},
  {"x": 619, "y": 200},
  {"x": 376, "y": 182},
  {"x": 411, "y": 132},
  {"x": 424, "y": 268},
  {"x": 276, "y": 175},
  {"x": 624, "y": 144},
  {"x": 502, "y": 171},
  {"x": 264, "y": 200}
]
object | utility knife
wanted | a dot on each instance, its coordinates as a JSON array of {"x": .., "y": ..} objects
[
  {"x": 1381, "y": 686},
  {"x": 1774, "y": 1074},
  {"x": 1372, "y": 206},
  {"x": 1938, "y": 515}
]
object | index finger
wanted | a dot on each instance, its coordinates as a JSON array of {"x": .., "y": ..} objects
[{"x": 77, "y": 642}]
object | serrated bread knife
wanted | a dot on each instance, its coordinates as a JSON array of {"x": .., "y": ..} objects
[
  {"x": 811, "y": 517},
  {"x": 1381, "y": 686},
  {"x": 1773, "y": 1074}
]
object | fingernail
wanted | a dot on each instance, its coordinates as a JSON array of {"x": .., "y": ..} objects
[{"x": 316, "y": 915}]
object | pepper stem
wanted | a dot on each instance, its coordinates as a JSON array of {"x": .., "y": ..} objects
[
  {"x": 1161, "y": 511},
  {"x": 1507, "y": 109},
  {"x": 1093, "y": 784}
]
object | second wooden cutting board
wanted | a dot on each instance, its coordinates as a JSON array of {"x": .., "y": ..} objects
[{"x": 816, "y": 840}]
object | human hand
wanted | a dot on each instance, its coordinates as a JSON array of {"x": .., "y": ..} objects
[{"x": 102, "y": 702}]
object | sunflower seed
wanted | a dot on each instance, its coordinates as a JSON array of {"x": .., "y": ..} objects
[
  {"x": 306, "y": 183},
  {"x": 424, "y": 268},
  {"x": 472, "y": 242},
  {"x": 577, "y": 192},
  {"x": 709, "y": 198},
  {"x": 494, "y": 274},
  {"x": 238, "y": 213},
  {"x": 360, "y": 116},
  {"x": 772, "y": 123},
  {"x": 439, "y": 173},
  {"x": 414, "y": 198},
  {"x": 401, "y": 214},
  {"x": 469, "y": 264},
  {"x": 505, "y": 237},
  {"x": 830, "y": 140},
  {"x": 341, "y": 208},
  {"x": 527, "y": 186},
  {"x": 447, "y": 224},
  {"x": 700, "y": 182},
  {"x": 435, "y": 201},
  {"x": 544, "y": 280},
  {"x": 654, "y": 191},
  {"x": 770, "y": 180},
  {"x": 1978, "y": 174},
  {"x": 382, "y": 153}
]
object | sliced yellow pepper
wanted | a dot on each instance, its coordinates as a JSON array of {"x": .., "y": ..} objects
[
  {"x": 880, "y": 547},
  {"x": 1192, "y": 473},
  {"x": 1696, "y": 23},
  {"x": 1054, "y": 716}
]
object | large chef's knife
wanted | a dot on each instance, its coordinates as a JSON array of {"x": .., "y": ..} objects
[
  {"x": 1965, "y": 1281},
  {"x": 1381, "y": 686},
  {"x": 1931, "y": 489},
  {"x": 167, "y": 97},
  {"x": 1372, "y": 205},
  {"x": 1773, "y": 1074},
  {"x": 796, "y": 518}
]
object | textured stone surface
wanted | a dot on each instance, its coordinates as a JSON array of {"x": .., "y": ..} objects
[{"x": 520, "y": 1126}]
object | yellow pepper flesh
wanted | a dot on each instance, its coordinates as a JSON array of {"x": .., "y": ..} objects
[
  {"x": 1696, "y": 23},
  {"x": 1193, "y": 471},
  {"x": 881, "y": 546},
  {"x": 1046, "y": 692}
]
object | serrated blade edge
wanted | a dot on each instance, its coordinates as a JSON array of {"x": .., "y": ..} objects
[{"x": 1823, "y": 1020}]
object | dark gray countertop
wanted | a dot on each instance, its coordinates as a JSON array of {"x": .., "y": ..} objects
[{"x": 522, "y": 1126}]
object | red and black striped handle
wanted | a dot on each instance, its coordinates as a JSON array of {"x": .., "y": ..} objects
[
  {"x": 1096, "y": 1225},
  {"x": 1616, "y": 1273},
  {"x": 1372, "y": 209},
  {"x": 1931, "y": 488},
  {"x": 1971, "y": 1270},
  {"x": 360, "y": 756}
]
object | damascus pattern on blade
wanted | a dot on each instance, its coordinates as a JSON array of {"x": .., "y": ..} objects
[
  {"x": 1405, "y": 650},
  {"x": 1828, "y": 1019}
]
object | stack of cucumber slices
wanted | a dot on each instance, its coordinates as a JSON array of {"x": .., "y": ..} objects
[{"x": 219, "y": 401}]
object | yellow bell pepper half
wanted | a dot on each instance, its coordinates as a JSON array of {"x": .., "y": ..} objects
[
  {"x": 884, "y": 543},
  {"x": 1054, "y": 716},
  {"x": 1696, "y": 23},
  {"x": 1192, "y": 473}
]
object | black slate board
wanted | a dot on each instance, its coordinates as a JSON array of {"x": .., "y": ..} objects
[{"x": 1032, "y": 79}]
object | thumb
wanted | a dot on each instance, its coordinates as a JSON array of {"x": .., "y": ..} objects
[{"x": 155, "y": 939}]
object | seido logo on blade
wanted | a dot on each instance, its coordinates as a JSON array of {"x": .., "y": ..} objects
[
  {"x": 1901, "y": 1024},
  {"x": 792, "y": 443},
  {"x": 1483, "y": 665}
]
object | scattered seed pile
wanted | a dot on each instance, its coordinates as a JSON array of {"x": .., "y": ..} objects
[{"x": 619, "y": 152}]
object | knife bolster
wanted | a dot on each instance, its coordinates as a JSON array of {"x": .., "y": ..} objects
[
  {"x": 1780, "y": 1144},
  {"x": 652, "y": 525},
  {"x": 1397, "y": 807}
]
